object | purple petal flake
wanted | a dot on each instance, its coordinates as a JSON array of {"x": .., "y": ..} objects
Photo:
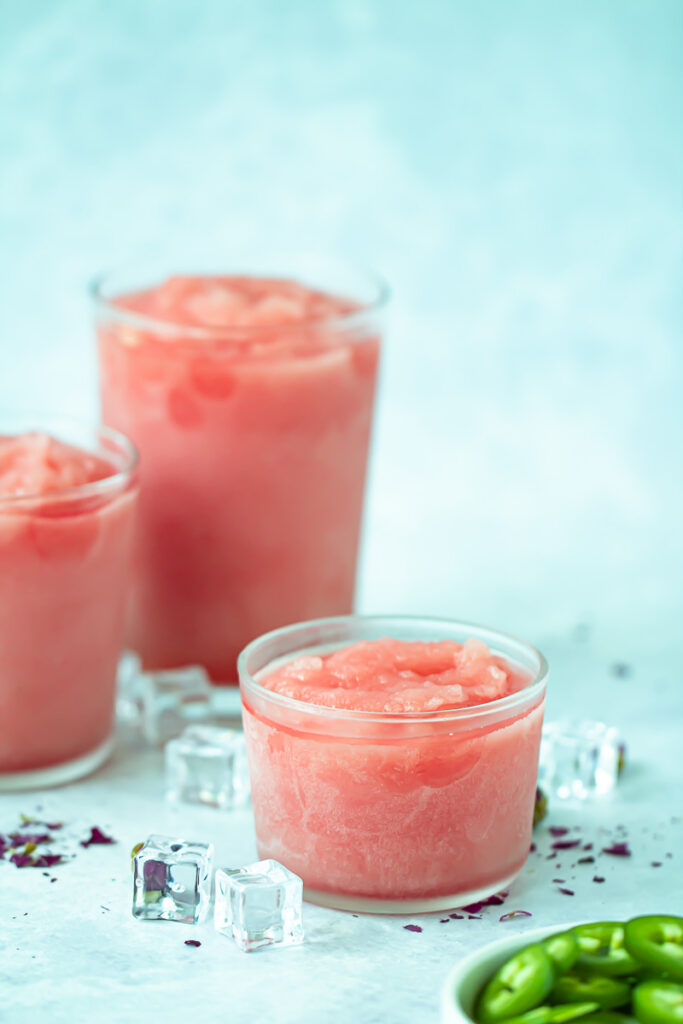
[
  {"x": 48, "y": 860},
  {"x": 513, "y": 915},
  {"x": 655, "y": 863},
  {"x": 20, "y": 838},
  {"x": 558, "y": 830},
  {"x": 495, "y": 901},
  {"x": 456, "y": 917},
  {"x": 192, "y": 942},
  {"x": 532, "y": 848},
  {"x": 566, "y": 892},
  {"x": 473, "y": 908},
  {"x": 412, "y": 927},
  {"x": 22, "y": 860},
  {"x": 598, "y": 878},
  {"x": 586, "y": 860},
  {"x": 97, "y": 838},
  {"x": 565, "y": 844},
  {"x": 559, "y": 881},
  {"x": 617, "y": 850}
]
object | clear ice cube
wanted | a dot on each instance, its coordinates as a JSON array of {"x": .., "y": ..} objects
[
  {"x": 172, "y": 880},
  {"x": 128, "y": 695},
  {"x": 208, "y": 765},
  {"x": 172, "y": 699},
  {"x": 579, "y": 759},
  {"x": 259, "y": 905}
]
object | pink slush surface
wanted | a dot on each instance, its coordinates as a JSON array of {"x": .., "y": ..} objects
[
  {"x": 253, "y": 454},
  {"x": 393, "y": 676},
  {"x": 63, "y": 571},
  {"x": 395, "y": 812},
  {"x": 35, "y": 463}
]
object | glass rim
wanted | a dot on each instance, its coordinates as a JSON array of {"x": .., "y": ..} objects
[
  {"x": 211, "y": 333},
  {"x": 528, "y": 693},
  {"x": 42, "y": 423}
]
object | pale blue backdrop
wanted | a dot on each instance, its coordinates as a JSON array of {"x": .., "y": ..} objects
[{"x": 514, "y": 169}]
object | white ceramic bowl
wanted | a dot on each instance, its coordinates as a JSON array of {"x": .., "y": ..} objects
[{"x": 466, "y": 979}]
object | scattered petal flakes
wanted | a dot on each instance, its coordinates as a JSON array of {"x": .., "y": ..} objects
[
  {"x": 412, "y": 927},
  {"x": 566, "y": 892},
  {"x": 513, "y": 915},
  {"x": 598, "y": 878},
  {"x": 558, "y": 830},
  {"x": 565, "y": 844},
  {"x": 192, "y": 942}
]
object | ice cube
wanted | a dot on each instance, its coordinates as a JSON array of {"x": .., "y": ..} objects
[
  {"x": 208, "y": 765},
  {"x": 172, "y": 880},
  {"x": 128, "y": 692},
  {"x": 579, "y": 758},
  {"x": 259, "y": 905},
  {"x": 172, "y": 699}
]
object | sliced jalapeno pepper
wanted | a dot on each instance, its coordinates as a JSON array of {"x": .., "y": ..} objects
[
  {"x": 601, "y": 949},
  {"x": 656, "y": 942},
  {"x": 519, "y": 985},
  {"x": 554, "y": 1014},
  {"x": 591, "y": 988},
  {"x": 658, "y": 1002},
  {"x": 563, "y": 950},
  {"x": 607, "y": 1017}
]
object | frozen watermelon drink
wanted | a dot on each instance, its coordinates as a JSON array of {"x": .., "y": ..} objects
[
  {"x": 393, "y": 761},
  {"x": 67, "y": 496},
  {"x": 250, "y": 398}
]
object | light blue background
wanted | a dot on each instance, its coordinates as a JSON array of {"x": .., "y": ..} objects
[{"x": 514, "y": 170}]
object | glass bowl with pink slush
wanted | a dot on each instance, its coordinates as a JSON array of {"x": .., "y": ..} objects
[
  {"x": 67, "y": 500},
  {"x": 250, "y": 397},
  {"x": 393, "y": 760}
]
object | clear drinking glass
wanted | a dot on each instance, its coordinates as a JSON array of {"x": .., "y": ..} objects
[
  {"x": 392, "y": 813},
  {"x": 253, "y": 420},
  {"x": 64, "y": 562}
]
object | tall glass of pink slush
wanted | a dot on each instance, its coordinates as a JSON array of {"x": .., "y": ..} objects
[
  {"x": 250, "y": 398},
  {"x": 67, "y": 499}
]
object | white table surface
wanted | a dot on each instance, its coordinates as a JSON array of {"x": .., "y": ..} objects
[{"x": 70, "y": 951}]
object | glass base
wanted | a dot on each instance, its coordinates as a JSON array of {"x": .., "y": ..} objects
[
  {"x": 57, "y": 774},
  {"x": 421, "y": 905}
]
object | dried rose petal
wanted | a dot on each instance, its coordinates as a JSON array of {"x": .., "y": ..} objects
[
  {"x": 512, "y": 915},
  {"x": 21, "y": 838},
  {"x": 456, "y": 917},
  {"x": 495, "y": 901},
  {"x": 598, "y": 878},
  {"x": 473, "y": 908},
  {"x": 97, "y": 838},
  {"x": 586, "y": 860},
  {"x": 566, "y": 892},
  {"x": 412, "y": 927},
  {"x": 617, "y": 850},
  {"x": 655, "y": 863},
  {"x": 22, "y": 860},
  {"x": 192, "y": 942},
  {"x": 565, "y": 844},
  {"x": 48, "y": 860},
  {"x": 532, "y": 848},
  {"x": 558, "y": 830}
]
